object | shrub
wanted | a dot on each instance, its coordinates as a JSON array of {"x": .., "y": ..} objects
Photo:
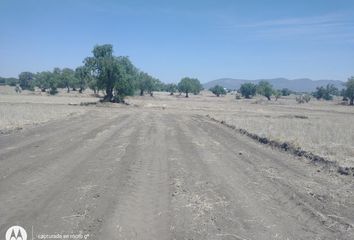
[{"x": 305, "y": 98}]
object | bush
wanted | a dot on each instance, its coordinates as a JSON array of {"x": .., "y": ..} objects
[
  {"x": 305, "y": 98},
  {"x": 53, "y": 91}
]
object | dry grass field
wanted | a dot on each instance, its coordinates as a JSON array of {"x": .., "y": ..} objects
[
  {"x": 322, "y": 127},
  {"x": 28, "y": 108}
]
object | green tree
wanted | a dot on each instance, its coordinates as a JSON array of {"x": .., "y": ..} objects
[
  {"x": 47, "y": 80},
  {"x": 125, "y": 79},
  {"x": 189, "y": 85},
  {"x": 68, "y": 79},
  {"x": 197, "y": 86},
  {"x": 277, "y": 94},
  {"x": 326, "y": 93},
  {"x": 265, "y": 88},
  {"x": 349, "y": 92},
  {"x": 104, "y": 67},
  {"x": 218, "y": 90},
  {"x": 9, "y": 81},
  {"x": 248, "y": 90},
  {"x": 117, "y": 75},
  {"x": 82, "y": 75},
  {"x": 26, "y": 80},
  {"x": 145, "y": 83},
  {"x": 285, "y": 92},
  {"x": 171, "y": 88},
  {"x": 41, "y": 80}
]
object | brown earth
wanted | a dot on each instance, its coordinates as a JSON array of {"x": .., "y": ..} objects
[{"x": 145, "y": 173}]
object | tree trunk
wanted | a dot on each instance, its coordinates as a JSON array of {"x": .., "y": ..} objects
[
  {"x": 171, "y": 93},
  {"x": 186, "y": 94},
  {"x": 68, "y": 89},
  {"x": 268, "y": 97},
  {"x": 141, "y": 92},
  {"x": 80, "y": 90},
  {"x": 218, "y": 95},
  {"x": 109, "y": 95},
  {"x": 351, "y": 101}
]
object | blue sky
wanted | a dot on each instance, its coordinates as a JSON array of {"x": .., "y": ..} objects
[{"x": 171, "y": 39}]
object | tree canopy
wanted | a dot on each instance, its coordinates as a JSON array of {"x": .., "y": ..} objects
[
  {"x": 265, "y": 88},
  {"x": 326, "y": 93},
  {"x": 248, "y": 90},
  {"x": 218, "y": 90},
  {"x": 171, "y": 88},
  {"x": 116, "y": 75},
  {"x": 189, "y": 85},
  {"x": 26, "y": 80}
]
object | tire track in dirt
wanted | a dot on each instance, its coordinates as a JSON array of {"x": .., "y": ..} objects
[
  {"x": 142, "y": 211},
  {"x": 45, "y": 185},
  {"x": 25, "y": 160},
  {"x": 153, "y": 174},
  {"x": 281, "y": 177}
]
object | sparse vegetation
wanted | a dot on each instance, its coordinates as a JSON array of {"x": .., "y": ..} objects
[{"x": 304, "y": 98}]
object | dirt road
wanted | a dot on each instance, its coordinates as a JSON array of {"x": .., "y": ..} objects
[{"x": 155, "y": 174}]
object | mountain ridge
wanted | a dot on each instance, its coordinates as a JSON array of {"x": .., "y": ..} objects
[{"x": 298, "y": 85}]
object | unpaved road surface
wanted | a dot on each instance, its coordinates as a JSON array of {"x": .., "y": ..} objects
[{"x": 155, "y": 174}]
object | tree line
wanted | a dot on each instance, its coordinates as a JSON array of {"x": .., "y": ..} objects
[
  {"x": 264, "y": 88},
  {"x": 115, "y": 76}
]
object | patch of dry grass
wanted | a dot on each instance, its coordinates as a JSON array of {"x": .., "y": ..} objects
[
  {"x": 28, "y": 108},
  {"x": 17, "y": 116}
]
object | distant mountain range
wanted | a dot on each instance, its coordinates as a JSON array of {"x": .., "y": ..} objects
[{"x": 298, "y": 85}]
